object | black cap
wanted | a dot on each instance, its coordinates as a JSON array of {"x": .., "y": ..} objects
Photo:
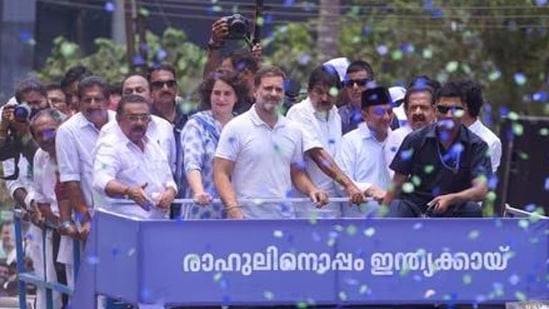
[{"x": 376, "y": 96}]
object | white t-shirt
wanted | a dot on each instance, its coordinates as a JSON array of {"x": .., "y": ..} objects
[
  {"x": 491, "y": 139},
  {"x": 325, "y": 133},
  {"x": 116, "y": 157},
  {"x": 262, "y": 158},
  {"x": 74, "y": 143}
]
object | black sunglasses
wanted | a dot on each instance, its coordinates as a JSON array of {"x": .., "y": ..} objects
[
  {"x": 160, "y": 84},
  {"x": 443, "y": 109},
  {"x": 359, "y": 82}
]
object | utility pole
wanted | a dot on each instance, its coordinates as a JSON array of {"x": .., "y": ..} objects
[
  {"x": 328, "y": 28},
  {"x": 130, "y": 13},
  {"x": 118, "y": 32}
]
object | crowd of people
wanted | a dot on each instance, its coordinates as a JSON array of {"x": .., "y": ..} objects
[{"x": 81, "y": 145}]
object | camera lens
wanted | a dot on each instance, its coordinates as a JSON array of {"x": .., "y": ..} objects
[
  {"x": 238, "y": 28},
  {"x": 21, "y": 112}
]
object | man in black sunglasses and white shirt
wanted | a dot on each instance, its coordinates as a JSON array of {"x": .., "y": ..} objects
[
  {"x": 359, "y": 74},
  {"x": 440, "y": 170}
]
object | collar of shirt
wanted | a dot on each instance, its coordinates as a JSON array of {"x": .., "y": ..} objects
[
  {"x": 477, "y": 125},
  {"x": 312, "y": 110},
  {"x": 462, "y": 133},
  {"x": 180, "y": 116},
  {"x": 281, "y": 121},
  {"x": 85, "y": 122},
  {"x": 366, "y": 133}
]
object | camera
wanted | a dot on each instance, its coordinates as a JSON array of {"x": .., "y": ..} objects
[
  {"x": 23, "y": 112},
  {"x": 239, "y": 27}
]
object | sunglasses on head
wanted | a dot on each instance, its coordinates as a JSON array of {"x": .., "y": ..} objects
[
  {"x": 443, "y": 109},
  {"x": 161, "y": 83},
  {"x": 359, "y": 82}
]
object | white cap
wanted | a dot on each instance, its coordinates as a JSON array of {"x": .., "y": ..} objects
[
  {"x": 340, "y": 64},
  {"x": 397, "y": 93}
]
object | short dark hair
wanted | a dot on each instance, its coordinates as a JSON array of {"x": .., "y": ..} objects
[
  {"x": 416, "y": 89},
  {"x": 360, "y": 65},
  {"x": 472, "y": 96},
  {"x": 271, "y": 71},
  {"x": 228, "y": 76},
  {"x": 92, "y": 81},
  {"x": 73, "y": 74},
  {"x": 161, "y": 67},
  {"x": 421, "y": 81},
  {"x": 243, "y": 59},
  {"x": 27, "y": 85},
  {"x": 53, "y": 86},
  {"x": 51, "y": 113},
  {"x": 115, "y": 88},
  {"x": 129, "y": 99},
  {"x": 450, "y": 89},
  {"x": 324, "y": 74}
]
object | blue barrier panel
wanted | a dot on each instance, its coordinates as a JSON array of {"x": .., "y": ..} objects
[{"x": 347, "y": 261}]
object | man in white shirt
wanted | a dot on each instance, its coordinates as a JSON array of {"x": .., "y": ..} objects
[
  {"x": 129, "y": 164},
  {"x": 159, "y": 129},
  {"x": 361, "y": 155},
  {"x": 420, "y": 111},
  {"x": 321, "y": 124},
  {"x": 75, "y": 140},
  {"x": 472, "y": 96},
  {"x": 43, "y": 127},
  {"x": 260, "y": 155}
]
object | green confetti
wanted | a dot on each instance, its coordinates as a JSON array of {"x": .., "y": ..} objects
[
  {"x": 520, "y": 296},
  {"x": 523, "y": 223},
  {"x": 333, "y": 92},
  {"x": 427, "y": 53},
  {"x": 363, "y": 289},
  {"x": 513, "y": 116},
  {"x": 543, "y": 131},
  {"x": 217, "y": 8},
  {"x": 396, "y": 54},
  {"x": 217, "y": 277},
  {"x": 355, "y": 39},
  {"x": 143, "y": 12},
  {"x": 301, "y": 305},
  {"x": 268, "y": 295},
  {"x": 518, "y": 129},
  {"x": 408, "y": 187},
  {"x": 260, "y": 21},
  {"x": 369, "y": 232},
  {"x": 474, "y": 234},
  {"x": 351, "y": 230},
  {"x": 428, "y": 169},
  {"x": 491, "y": 196},
  {"x": 278, "y": 234},
  {"x": 68, "y": 49},
  {"x": 467, "y": 279},
  {"x": 342, "y": 296},
  {"x": 452, "y": 66},
  {"x": 495, "y": 75},
  {"x": 416, "y": 181}
]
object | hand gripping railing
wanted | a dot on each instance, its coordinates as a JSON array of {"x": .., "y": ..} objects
[{"x": 25, "y": 277}]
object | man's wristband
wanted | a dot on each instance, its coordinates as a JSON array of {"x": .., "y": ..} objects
[{"x": 66, "y": 224}]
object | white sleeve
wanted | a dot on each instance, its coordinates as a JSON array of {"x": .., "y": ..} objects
[
  {"x": 22, "y": 179},
  {"x": 495, "y": 155},
  {"x": 66, "y": 150},
  {"x": 346, "y": 160},
  {"x": 311, "y": 139},
  {"x": 229, "y": 143},
  {"x": 38, "y": 178},
  {"x": 105, "y": 166}
]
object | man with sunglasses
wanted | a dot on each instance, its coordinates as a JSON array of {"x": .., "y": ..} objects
[
  {"x": 359, "y": 74},
  {"x": 163, "y": 82},
  {"x": 440, "y": 170}
]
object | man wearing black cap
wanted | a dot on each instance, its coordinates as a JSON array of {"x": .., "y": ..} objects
[
  {"x": 361, "y": 154},
  {"x": 441, "y": 169}
]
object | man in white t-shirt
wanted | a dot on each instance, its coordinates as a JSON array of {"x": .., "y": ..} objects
[
  {"x": 321, "y": 123},
  {"x": 74, "y": 143},
  {"x": 260, "y": 155},
  {"x": 128, "y": 164},
  {"x": 472, "y": 96}
]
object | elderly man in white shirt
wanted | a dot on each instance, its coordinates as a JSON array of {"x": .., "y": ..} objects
[
  {"x": 260, "y": 155},
  {"x": 321, "y": 124},
  {"x": 361, "y": 154},
  {"x": 472, "y": 96},
  {"x": 129, "y": 164},
  {"x": 76, "y": 138},
  {"x": 43, "y": 127},
  {"x": 420, "y": 111}
]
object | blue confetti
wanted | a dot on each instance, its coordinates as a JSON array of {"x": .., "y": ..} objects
[
  {"x": 367, "y": 30},
  {"x": 289, "y": 3},
  {"x": 437, "y": 13},
  {"x": 546, "y": 184},
  {"x": 520, "y": 78},
  {"x": 138, "y": 60},
  {"x": 161, "y": 54},
  {"x": 540, "y": 96},
  {"x": 109, "y": 6},
  {"x": 304, "y": 59},
  {"x": 541, "y": 2},
  {"x": 382, "y": 50}
]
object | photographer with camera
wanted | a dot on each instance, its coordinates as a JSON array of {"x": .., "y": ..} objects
[
  {"x": 228, "y": 29},
  {"x": 15, "y": 136}
]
